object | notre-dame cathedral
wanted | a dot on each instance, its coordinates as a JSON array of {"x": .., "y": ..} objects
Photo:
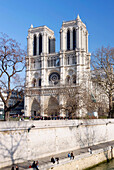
[{"x": 48, "y": 71}]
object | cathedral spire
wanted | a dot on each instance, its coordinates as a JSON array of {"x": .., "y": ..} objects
[
  {"x": 78, "y": 17},
  {"x": 31, "y": 26}
]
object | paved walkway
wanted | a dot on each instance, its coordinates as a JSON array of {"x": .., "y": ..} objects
[{"x": 61, "y": 156}]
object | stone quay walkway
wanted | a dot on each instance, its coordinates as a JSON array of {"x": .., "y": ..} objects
[{"x": 45, "y": 162}]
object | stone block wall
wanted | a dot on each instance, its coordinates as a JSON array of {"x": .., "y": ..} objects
[{"x": 19, "y": 142}]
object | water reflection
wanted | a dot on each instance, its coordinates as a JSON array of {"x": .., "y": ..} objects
[{"x": 105, "y": 166}]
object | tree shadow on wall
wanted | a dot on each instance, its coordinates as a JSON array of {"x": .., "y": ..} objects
[
  {"x": 87, "y": 136},
  {"x": 91, "y": 136},
  {"x": 11, "y": 145},
  {"x": 108, "y": 153}
]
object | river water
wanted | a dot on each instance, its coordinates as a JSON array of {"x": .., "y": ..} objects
[{"x": 105, "y": 166}]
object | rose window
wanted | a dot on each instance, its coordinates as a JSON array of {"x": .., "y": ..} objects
[{"x": 54, "y": 77}]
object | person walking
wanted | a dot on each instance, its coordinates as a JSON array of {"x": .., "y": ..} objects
[
  {"x": 72, "y": 155},
  {"x": 90, "y": 150},
  {"x": 53, "y": 160},
  {"x": 37, "y": 165},
  {"x": 69, "y": 155},
  {"x": 57, "y": 159},
  {"x": 12, "y": 168},
  {"x": 17, "y": 168}
]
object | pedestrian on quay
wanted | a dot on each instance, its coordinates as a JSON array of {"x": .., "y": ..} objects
[
  {"x": 69, "y": 155},
  {"x": 72, "y": 155},
  {"x": 17, "y": 168},
  {"x": 52, "y": 160},
  {"x": 37, "y": 165},
  {"x": 12, "y": 168},
  {"x": 90, "y": 150},
  {"x": 33, "y": 165},
  {"x": 57, "y": 159}
]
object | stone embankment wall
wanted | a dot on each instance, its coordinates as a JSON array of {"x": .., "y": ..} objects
[
  {"x": 19, "y": 142},
  {"x": 85, "y": 160}
]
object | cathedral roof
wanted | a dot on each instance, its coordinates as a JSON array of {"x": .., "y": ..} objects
[
  {"x": 40, "y": 28},
  {"x": 73, "y": 22}
]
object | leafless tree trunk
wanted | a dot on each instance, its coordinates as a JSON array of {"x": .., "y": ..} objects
[
  {"x": 103, "y": 73},
  {"x": 11, "y": 65}
]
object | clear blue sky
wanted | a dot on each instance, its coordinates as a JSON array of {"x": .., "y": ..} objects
[{"x": 16, "y": 16}]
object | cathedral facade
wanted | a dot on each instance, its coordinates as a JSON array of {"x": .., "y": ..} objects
[{"x": 48, "y": 71}]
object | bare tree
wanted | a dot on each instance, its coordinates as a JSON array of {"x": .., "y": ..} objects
[
  {"x": 11, "y": 65},
  {"x": 70, "y": 95},
  {"x": 103, "y": 73}
]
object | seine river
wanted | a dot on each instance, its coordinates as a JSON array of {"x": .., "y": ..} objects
[{"x": 105, "y": 166}]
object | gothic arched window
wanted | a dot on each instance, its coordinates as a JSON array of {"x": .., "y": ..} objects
[
  {"x": 74, "y": 79},
  {"x": 49, "y": 63},
  {"x": 34, "y": 82},
  {"x": 68, "y": 40},
  {"x": 74, "y": 39},
  {"x": 68, "y": 61},
  {"x": 35, "y": 45},
  {"x": 34, "y": 63},
  {"x": 40, "y": 44},
  {"x": 60, "y": 40},
  {"x": 49, "y": 44},
  {"x": 74, "y": 60},
  {"x": 39, "y": 82},
  {"x": 68, "y": 79}
]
